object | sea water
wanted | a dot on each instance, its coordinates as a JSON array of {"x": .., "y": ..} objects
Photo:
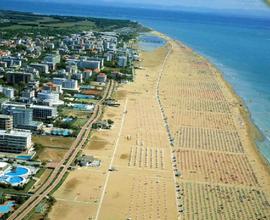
[{"x": 238, "y": 45}]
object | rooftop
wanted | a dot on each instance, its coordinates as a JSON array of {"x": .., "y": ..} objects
[
  {"x": 41, "y": 107},
  {"x": 3, "y": 165},
  {"x": 5, "y": 116},
  {"x": 17, "y": 132},
  {"x": 102, "y": 75}
]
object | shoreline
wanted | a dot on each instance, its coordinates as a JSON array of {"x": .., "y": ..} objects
[
  {"x": 258, "y": 136},
  {"x": 196, "y": 157},
  {"x": 142, "y": 181},
  {"x": 254, "y": 133}
]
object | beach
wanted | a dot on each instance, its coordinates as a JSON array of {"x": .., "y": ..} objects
[{"x": 181, "y": 148}]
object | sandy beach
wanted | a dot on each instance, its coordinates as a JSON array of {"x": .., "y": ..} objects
[{"x": 178, "y": 95}]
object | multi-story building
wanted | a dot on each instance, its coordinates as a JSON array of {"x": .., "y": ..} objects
[
  {"x": 21, "y": 116},
  {"x": 12, "y": 61},
  {"x": 78, "y": 77},
  {"x": 70, "y": 84},
  {"x": 52, "y": 58},
  {"x": 34, "y": 84},
  {"x": 19, "y": 77},
  {"x": 101, "y": 60},
  {"x": 27, "y": 96},
  {"x": 8, "y": 106},
  {"x": 87, "y": 73},
  {"x": 8, "y": 92},
  {"x": 6, "y": 122},
  {"x": 53, "y": 87},
  {"x": 102, "y": 78},
  {"x": 109, "y": 56},
  {"x": 89, "y": 64},
  {"x": 122, "y": 61},
  {"x": 72, "y": 69},
  {"x": 23, "y": 119},
  {"x": 28, "y": 93},
  {"x": 15, "y": 141},
  {"x": 59, "y": 81},
  {"x": 41, "y": 112},
  {"x": 41, "y": 67},
  {"x": 49, "y": 97}
]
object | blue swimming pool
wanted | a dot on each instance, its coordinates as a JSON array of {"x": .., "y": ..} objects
[
  {"x": 5, "y": 208},
  {"x": 82, "y": 107},
  {"x": 81, "y": 96},
  {"x": 14, "y": 180},
  {"x": 18, "y": 171},
  {"x": 61, "y": 132}
]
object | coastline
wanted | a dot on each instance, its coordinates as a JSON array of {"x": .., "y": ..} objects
[
  {"x": 259, "y": 134},
  {"x": 253, "y": 131},
  {"x": 242, "y": 123},
  {"x": 137, "y": 186},
  {"x": 192, "y": 95}
]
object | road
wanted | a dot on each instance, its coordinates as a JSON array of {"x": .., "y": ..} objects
[{"x": 61, "y": 169}]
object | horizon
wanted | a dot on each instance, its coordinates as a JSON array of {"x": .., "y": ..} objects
[
  {"x": 130, "y": 111},
  {"x": 231, "y": 7}
]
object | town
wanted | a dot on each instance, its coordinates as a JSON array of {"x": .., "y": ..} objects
[{"x": 50, "y": 86}]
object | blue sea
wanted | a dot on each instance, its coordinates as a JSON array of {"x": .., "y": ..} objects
[{"x": 238, "y": 45}]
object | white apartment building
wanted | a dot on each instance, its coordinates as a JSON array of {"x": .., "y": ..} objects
[
  {"x": 15, "y": 141},
  {"x": 50, "y": 98}
]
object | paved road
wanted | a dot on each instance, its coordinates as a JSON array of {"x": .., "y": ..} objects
[{"x": 59, "y": 171}]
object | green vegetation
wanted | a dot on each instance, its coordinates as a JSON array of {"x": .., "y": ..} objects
[
  {"x": 75, "y": 125},
  {"x": 59, "y": 184},
  {"x": 18, "y": 23},
  {"x": 53, "y": 141}
]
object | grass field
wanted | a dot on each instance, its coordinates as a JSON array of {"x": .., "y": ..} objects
[
  {"x": 51, "y": 154},
  {"x": 53, "y": 141},
  {"x": 68, "y": 112},
  {"x": 52, "y": 148},
  {"x": 79, "y": 122}
]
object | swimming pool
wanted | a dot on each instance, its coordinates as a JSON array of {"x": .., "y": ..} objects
[
  {"x": 15, "y": 176},
  {"x": 81, "y": 96},
  {"x": 61, "y": 132},
  {"x": 15, "y": 180},
  {"x": 83, "y": 107},
  {"x": 5, "y": 208},
  {"x": 18, "y": 171}
]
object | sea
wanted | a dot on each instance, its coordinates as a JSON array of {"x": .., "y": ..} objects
[{"x": 239, "y": 45}]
